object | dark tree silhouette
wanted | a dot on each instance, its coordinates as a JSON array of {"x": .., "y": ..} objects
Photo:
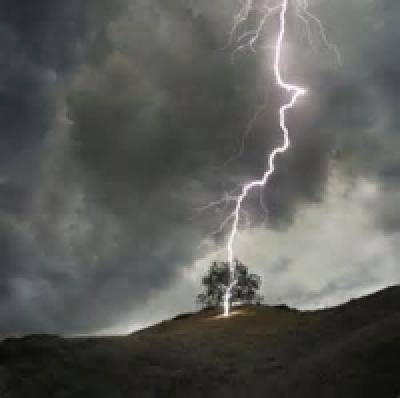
[{"x": 245, "y": 291}]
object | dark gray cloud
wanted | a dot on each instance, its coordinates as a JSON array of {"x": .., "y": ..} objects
[{"x": 117, "y": 118}]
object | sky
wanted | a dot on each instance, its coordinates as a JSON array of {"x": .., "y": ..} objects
[{"x": 121, "y": 119}]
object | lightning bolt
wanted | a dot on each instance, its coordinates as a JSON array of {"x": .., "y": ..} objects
[
  {"x": 295, "y": 92},
  {"x": 248, "y": 40}
]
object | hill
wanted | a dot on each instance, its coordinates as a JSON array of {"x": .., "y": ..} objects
[{"x": 351, "y": 351}]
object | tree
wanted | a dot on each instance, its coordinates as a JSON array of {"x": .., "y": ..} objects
[{"x": 244, "y": 291}]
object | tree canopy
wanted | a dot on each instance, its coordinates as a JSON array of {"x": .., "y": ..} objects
[{"x": 244, "y": 291}]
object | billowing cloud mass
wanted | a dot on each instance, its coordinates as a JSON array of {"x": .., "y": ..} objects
[{"x": 118, "y": 120}]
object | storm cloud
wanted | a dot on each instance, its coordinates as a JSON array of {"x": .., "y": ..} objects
[{"x": 118, "y": 119}]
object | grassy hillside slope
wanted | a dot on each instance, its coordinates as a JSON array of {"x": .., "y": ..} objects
[{"x": 352, "y": 351}]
